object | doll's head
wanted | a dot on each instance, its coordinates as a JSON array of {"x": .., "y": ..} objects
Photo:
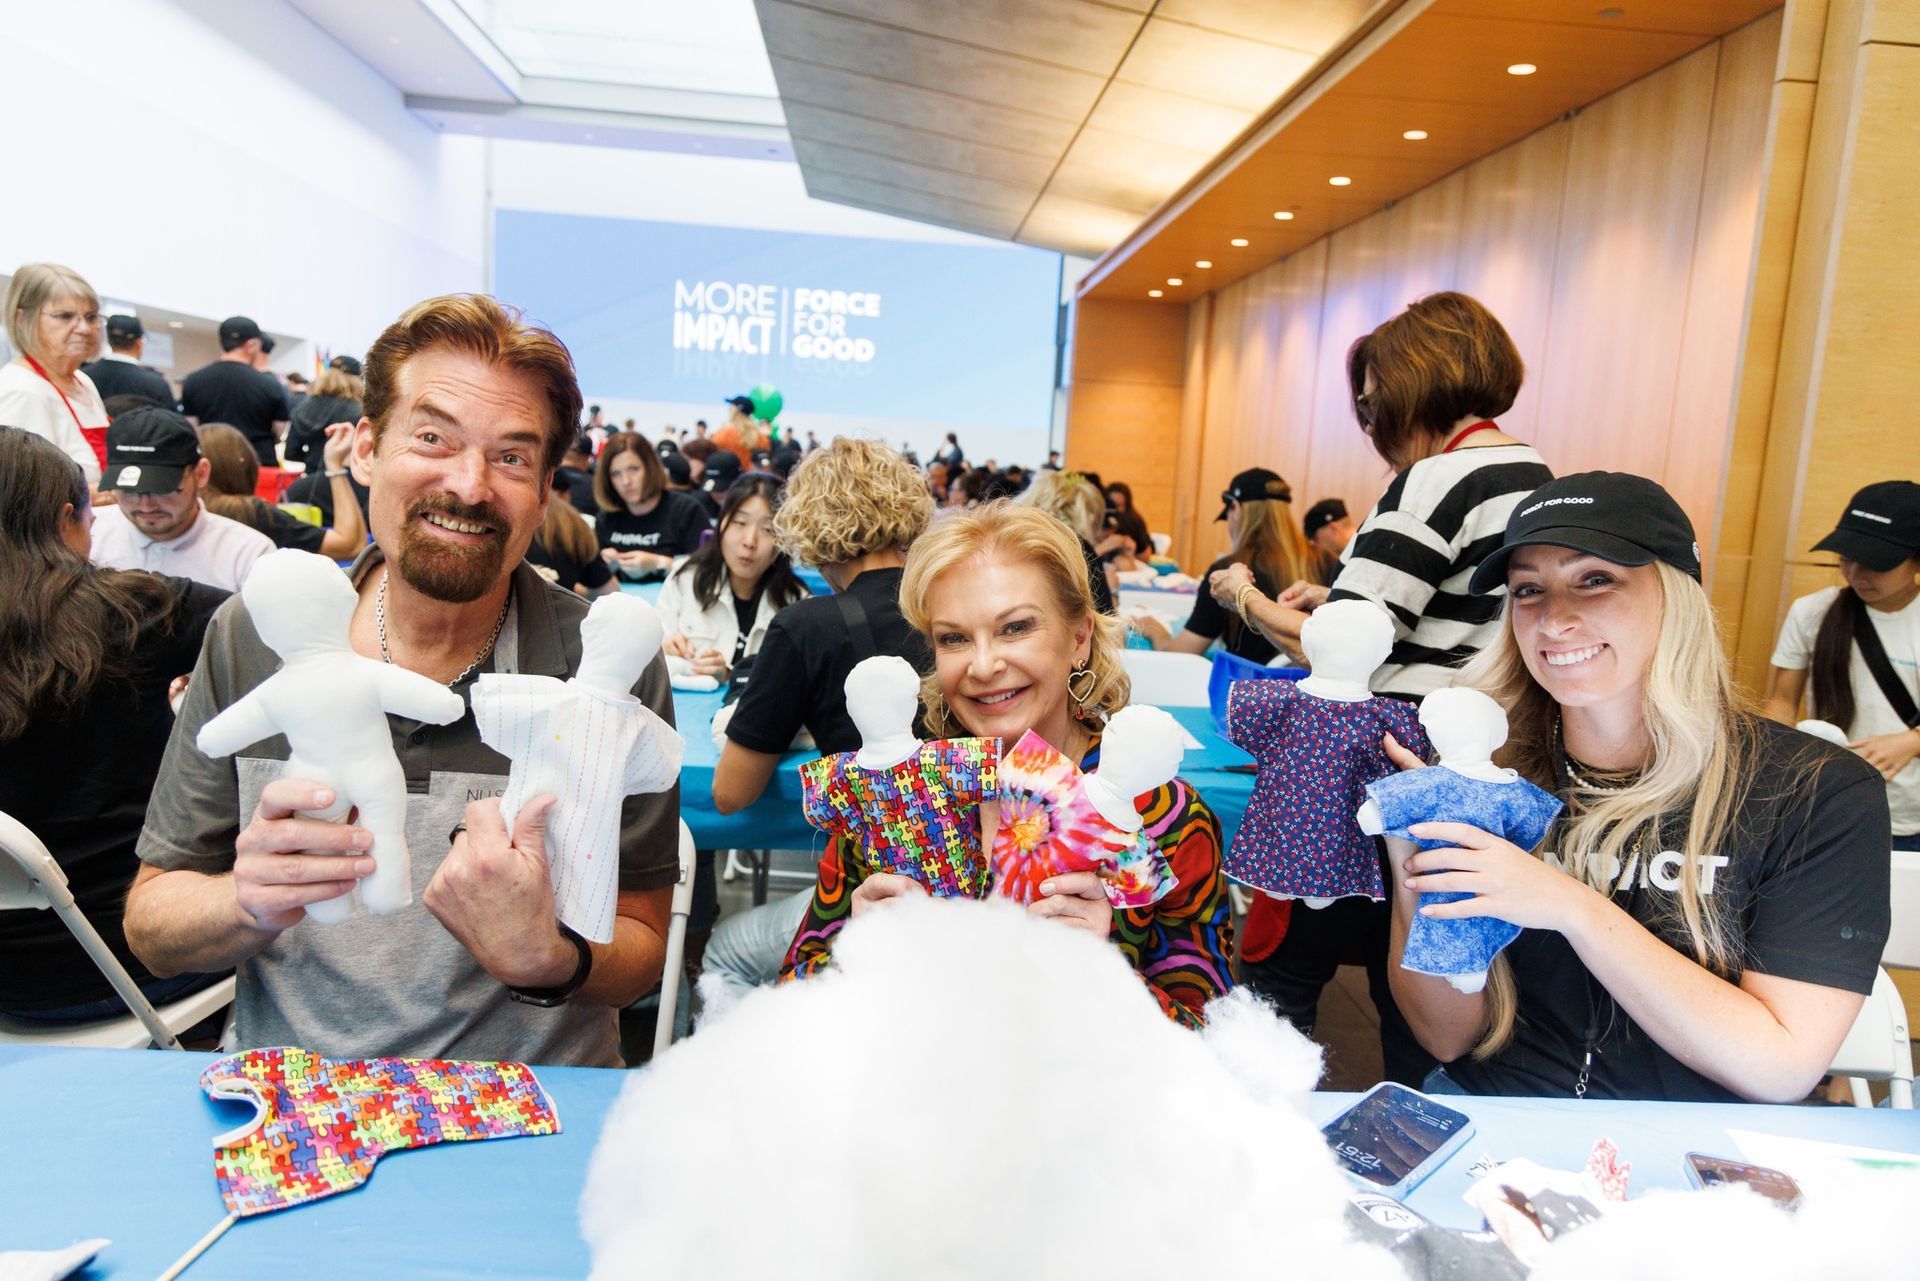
[
  {"x": 883, "y": 693},
  {"x": 299, "y": 602},
  {"x": 1345, "y": 640},
  {"x": 1140, "y": 749},
  {"x": 618, "y": 638},
  {"x": 1463, "y": 725}
]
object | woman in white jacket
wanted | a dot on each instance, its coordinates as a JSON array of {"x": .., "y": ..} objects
[{"x": 717, "y": 603}]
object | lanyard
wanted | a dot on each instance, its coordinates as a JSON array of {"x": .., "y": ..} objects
[
  {"x": 94, "y": 436},
  {"x": 1466, "y": 432}
]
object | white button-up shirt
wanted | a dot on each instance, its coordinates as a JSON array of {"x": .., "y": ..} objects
[{"x": 214, "y": 550}]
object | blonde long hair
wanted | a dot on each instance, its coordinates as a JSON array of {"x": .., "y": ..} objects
[
  {"x": 1070, "y": 497},
  {"x": 1703, "y": 736},
  {"x": 1008, "y": 531},
  {"x": 1269, "y": 539}
]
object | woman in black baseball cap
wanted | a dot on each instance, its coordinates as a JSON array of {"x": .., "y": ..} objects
[
  {"x": 1858, "y": 645},
  {"x": 1706, "y": 917}
]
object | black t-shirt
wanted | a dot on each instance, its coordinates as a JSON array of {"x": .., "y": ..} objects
[
  {"x": 316, "y": 488},
  {"x": 79, "y": 779},
  {"x": 1210, "y": 618},
  {"x": 1803, "y": 886},
  {"x": 239, "y": 395},
  {"x": 800, "y": 674},
  {"x": 577, "y": 484},
  {"x": 592, "y": 574},
  {"x": 744, "y": 612},
  {"x": 287, "y": 530},
  {"x": 123, "y": 378},
  {"x": 307, "y": 430},
  {"x": 672, "y": 528},
  {"x": 1097, "y": 578}
]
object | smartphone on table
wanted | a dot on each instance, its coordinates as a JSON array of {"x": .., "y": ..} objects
[
  {"x": 1394, "y": 1137},
  {"x": 1716, "y": 1171}
]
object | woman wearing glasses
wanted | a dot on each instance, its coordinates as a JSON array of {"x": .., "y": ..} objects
[
  {"x": 53, "y": 326},
  {"x": 1426, "y": 386}
]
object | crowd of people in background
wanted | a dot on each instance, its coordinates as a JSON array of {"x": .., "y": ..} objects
[{"x": 129, "y": 513}]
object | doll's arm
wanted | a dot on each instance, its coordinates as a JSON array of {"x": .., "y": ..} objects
[
  {"x": 418, "y": 698},
  {"x": 656, "y": 758},
  {"x": 818, "y": 801},
  {"x": 242, "y": 725}
]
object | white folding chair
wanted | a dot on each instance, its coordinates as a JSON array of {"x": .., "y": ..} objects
[
  {"x": 1160, "y": 542},
  {"x": 29, "y": 878},
  {"x": 1167, "y": 680},
  {"x": 1903, "y": 940},
  {"x": 1877, "y": 1049},
  {"x": 670, "y": 974}
]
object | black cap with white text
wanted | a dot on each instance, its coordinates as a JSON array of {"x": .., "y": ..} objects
[
  {"x": 1625, "y": 519},
  {"x": 1881, "y": 526},
  {"x": 149, "y": 449}
]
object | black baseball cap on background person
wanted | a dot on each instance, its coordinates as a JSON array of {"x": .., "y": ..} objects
[
  {"x": 125, "y": 329},
  {"x": 722, "y": 470},
  {"x": 149, "y": 449},
  {"x": 742, "y": 403},
  {"x": 666, "y": 447},
  {"x": 1322, "y": 514},
  {"x": 1624, "y": 519},
  {"x": 1254, "y": 485},
  {"x": 235, "y": 330},
  {"x": 346, "y": 365},
  {"x": 679, "y": 470},
  {"x": 1880, "y": 528}
]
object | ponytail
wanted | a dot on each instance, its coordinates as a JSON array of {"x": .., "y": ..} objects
[{"x": 1832, "y": 665}]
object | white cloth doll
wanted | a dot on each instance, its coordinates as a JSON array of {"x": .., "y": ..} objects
[
  {"x": 1317, "y": 742},
  {"x": 1055, "y": 819},
  {"x": 302, "y": 606},
  {"x": 589, "y": 743},
  {"x": 1466, "y": 728}
]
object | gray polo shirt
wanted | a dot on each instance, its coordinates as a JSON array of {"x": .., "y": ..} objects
[{"x": 399, "y": 984}]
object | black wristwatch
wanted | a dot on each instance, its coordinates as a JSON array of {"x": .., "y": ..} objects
[{"x": 548, "y": 997}]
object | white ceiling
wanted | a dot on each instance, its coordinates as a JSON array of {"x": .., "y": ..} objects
[
  {"x": 689, "y": 77},
  {"x": 1058, "y": 123}
]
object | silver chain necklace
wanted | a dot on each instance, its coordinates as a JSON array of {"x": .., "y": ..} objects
[{"x": 380, "y": 625}]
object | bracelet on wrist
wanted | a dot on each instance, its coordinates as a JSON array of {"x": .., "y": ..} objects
[{"x": 331, "y": 472}]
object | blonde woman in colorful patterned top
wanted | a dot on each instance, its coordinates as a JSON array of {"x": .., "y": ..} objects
[{"x": 1001, "y": 594}]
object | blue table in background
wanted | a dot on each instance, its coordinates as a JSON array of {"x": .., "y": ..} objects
[{"x": 118, "y": 1144}]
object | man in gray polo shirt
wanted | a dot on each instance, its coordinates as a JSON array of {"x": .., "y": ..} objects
[{"x": 467, "y": 414}]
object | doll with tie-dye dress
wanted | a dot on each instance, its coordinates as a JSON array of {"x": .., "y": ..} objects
[{"x": 1317, "y": 743}]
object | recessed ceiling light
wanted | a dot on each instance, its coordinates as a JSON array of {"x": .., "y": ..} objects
[
  {"x": 1522, "y": 69},
  {"x": 176, "y": 324},
  {"x": 1156, "y": 293},
  {"x": 1174, "y": 280},
  {"x": 1415, "y": 135},
  {"x": 1203, "y": 264},
  {"x": 1339, "y": 180},
  {"x": 1613, "y": 13},
  {"x": 1238, "y": 242},
  {"x": 1284, "y": 215}
]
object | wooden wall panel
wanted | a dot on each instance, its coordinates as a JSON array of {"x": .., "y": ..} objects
[
  {"x": 1340, "y": 462},
  {"x": 1627, "y": 222},
  {"x": 1719, "y": 293},
  {"x": 1125, "y": 400},
  {"x": 1509, "y": 228},
  {"x": 1425, "y": 230}
]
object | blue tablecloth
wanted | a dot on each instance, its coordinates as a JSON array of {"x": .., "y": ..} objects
[{"x": 117, "y": 1143}]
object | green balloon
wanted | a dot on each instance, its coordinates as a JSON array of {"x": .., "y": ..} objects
[{"x": 767, "y": 402}]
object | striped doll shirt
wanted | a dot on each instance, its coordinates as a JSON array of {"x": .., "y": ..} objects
[{"x": 1418, "y": 547}]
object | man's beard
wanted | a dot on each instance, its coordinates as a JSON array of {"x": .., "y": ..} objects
[{"x": 448, "y": 573}]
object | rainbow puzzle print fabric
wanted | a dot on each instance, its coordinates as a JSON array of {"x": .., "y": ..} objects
[
  {"x": 1048, "y": 825},
  {"x": 321, "y": 1124},
  {"x": 920, "y": 818}
]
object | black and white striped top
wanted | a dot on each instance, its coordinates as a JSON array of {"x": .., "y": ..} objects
[{"x": 1418, "y": 546}]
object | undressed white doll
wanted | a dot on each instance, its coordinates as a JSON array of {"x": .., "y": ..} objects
[
  {"x": 589, "y": 743},
  {"x": 302, "y": 607},
  {"x": 1317, "y": 742},
  {"x": 1466, "y": 728}
]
